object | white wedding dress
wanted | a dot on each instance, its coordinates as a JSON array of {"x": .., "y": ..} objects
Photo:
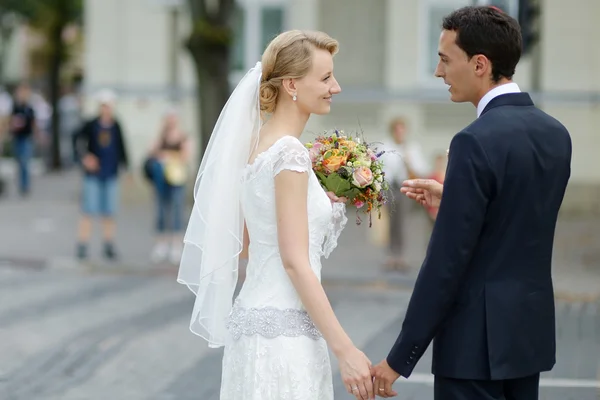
[{"x": 273, "y": 350}]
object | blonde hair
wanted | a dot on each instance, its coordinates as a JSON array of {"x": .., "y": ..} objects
[
  {"x": 395, "y": 122},
  {"x": 289, "y": 56}
]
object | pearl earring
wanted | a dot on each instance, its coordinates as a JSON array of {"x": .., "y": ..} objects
[{"x": 294, "y": 97}]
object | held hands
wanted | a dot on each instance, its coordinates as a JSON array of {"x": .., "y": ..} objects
[
  {"x": 383, "y": 378},
  {"x": 427, "y": 192},
  {"x": 355, "y": 369},
  {"x": 362, "y": 379}
]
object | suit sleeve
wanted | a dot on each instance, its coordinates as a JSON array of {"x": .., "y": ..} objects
[{"x": 468, "y": 187}]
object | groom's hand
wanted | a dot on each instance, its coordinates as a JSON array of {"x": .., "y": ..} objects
[
  {"x": 384, "y": 377},
  {"x": 427, "y": 192}
]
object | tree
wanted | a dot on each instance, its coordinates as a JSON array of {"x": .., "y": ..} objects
[
  {"x": 209, "y": 44},
  {"x": 50, "y": 18}
]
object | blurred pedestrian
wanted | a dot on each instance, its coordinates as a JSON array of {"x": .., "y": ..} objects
[
  {"x": 23, "y": 131},
  {"x": 167, "y": 169},
  {"x": 403, "y": 160},
  {"x": 101, "y": 149}
]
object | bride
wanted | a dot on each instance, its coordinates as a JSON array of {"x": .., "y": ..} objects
[{"x": 257, "y": 196}]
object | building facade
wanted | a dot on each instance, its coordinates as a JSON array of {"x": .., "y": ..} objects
[{"x": 388, "y": 52}]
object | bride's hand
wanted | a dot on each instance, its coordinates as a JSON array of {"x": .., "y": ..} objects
[
  {"x": 335, "y": 199},
  {"x": 355, "y": 369}
]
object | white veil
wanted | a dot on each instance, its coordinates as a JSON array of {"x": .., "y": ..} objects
[{"x": 214, "y": 236}]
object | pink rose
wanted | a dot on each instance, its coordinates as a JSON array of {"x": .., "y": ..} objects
[
  {"x": 359, "y": 204},
  {"x": 362, "y": 177},
  {"x": 371, "y": 154},
  {"x": 315, "y": 151}
]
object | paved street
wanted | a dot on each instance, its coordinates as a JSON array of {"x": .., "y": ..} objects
[
  {"x": 81, "y": 336},
  {"x": 99, "y": 331}
]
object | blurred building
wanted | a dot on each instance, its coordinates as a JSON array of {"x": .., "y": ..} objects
[{"x": 385, "y": 66}]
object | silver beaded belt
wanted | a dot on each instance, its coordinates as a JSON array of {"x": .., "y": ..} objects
[{"x": 271, "y": 322}]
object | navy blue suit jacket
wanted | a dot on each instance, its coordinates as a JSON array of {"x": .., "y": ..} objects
[{"x": 484, "y": 293}]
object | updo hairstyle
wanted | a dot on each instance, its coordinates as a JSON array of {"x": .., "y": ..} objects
[{"x": 289, "y": 56}]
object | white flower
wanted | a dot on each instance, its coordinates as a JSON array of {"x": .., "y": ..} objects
[{"x": 363, "y": 162}]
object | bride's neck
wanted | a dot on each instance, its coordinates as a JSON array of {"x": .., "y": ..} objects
[{"x": 287, "y": 119}]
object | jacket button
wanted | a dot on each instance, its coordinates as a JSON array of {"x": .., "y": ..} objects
[{"x": 408, "y": 363}]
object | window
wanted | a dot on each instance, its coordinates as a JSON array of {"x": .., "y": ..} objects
[
  {"x": 271, "y": 24},
  {"x": 238, "y": 49},
  {"x": 432, "y": 13},
  {"x": 255, "y": 23}
]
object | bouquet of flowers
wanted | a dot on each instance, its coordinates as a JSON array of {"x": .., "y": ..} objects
[{"x": 351, "y": 168}]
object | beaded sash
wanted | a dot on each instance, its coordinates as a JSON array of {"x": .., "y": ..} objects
[{"x": 271, "y": 322}]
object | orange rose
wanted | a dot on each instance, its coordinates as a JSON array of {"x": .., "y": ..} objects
[
  {"x": 351, "y": 145},
  {"x": 336, "y": 160}
]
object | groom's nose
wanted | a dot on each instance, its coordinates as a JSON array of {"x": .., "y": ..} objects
[{"x": 438, "y": 71}]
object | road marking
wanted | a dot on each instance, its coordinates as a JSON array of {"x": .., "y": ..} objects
[{"x": 544, "y": 382}]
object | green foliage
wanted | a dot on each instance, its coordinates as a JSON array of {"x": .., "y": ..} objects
[
  {"x": 41, "y": 12},
  {"x": 213, "y": 34},
  {"x": 47, "y": 16},
  {"x": 334, "y": 183},
  {"x": 44, "y": 14},
  {"x": 22, "y": 8}
]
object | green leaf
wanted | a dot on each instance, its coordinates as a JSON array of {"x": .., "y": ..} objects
[
  {"x": 322, "y": 177},
  {"x": 337, "y": 184},
  {"x": 351, "y": 194}
]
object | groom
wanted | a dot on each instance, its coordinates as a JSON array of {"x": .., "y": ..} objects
[{"x": 484, "y": 293}]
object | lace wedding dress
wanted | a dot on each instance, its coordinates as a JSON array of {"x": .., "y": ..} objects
[{"x": 273, "y": 350}]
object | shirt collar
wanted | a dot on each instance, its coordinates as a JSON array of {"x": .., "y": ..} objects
[{"x": 495, "y": 92}]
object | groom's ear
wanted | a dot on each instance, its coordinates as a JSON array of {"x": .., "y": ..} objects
[
  {"x": 483, "y": 65},
  {"x": 289, "y": 85}
]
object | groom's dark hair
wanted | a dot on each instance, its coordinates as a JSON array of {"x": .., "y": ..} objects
[{"x": 491, "y": 32}]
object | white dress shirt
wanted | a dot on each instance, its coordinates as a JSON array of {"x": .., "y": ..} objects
[{"x": 495, "y": 92}]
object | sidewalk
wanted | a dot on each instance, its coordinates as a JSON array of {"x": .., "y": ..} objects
[{"x": 40, "y": 232}]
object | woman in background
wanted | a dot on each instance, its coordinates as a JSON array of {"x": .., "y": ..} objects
[
  {"x": 169, "y": 156},
  {"x": 403, "y": 160}
]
